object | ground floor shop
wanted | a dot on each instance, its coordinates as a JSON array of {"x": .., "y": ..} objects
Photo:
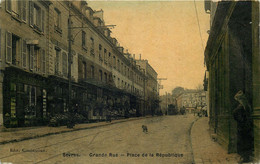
[
  {"x": 24, "y": 98},
  {"x": 31, "y": 100}
]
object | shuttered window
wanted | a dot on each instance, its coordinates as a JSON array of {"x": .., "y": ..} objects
[
  {"x": 36, "y": 17},
  {"x": 8, "y": 47}
]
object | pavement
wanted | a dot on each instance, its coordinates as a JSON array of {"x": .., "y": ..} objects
[{"x": 205, "y": 150}]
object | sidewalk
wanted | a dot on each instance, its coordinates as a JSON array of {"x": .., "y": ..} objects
[
  {"x": 8, "y": 135},
  {"x": 205, "y": 150}
]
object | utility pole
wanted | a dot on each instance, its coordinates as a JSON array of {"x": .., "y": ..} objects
[
  {"x": 69, "y": 66},
  {"x": 166, "y": 103}
]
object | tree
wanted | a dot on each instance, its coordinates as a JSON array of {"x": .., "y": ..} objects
[{"x": 176, "y": 91}]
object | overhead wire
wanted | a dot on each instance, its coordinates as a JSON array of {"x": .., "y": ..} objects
[{"x": 196, "y": 11}]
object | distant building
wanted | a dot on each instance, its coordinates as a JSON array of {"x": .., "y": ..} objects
[{"x": 191, "y": 100}]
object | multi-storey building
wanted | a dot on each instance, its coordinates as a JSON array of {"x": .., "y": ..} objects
[
  {"x": 34, "y": 55},
  {"x": 191, "y": 100},
  {"x": 23, "y": 53},
  {"x": 151, "y": 87}
]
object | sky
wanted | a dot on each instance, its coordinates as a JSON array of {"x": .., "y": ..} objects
[{"x": 166, "y": 33}]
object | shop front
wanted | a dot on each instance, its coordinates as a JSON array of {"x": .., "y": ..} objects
[{"x": 25, "y": 98}]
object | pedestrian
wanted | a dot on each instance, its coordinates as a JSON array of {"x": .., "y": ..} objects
[{"x": 242, "y": 114}]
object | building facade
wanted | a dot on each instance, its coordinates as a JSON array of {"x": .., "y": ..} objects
[
  {"x": 232, "y": 58},
  {"x": 191, "y": 100},
  {"x": 150, "y": 84},
  {"x": 34, "y": 56}
]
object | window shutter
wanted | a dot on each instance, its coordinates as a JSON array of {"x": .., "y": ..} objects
[
  {"x": 8, "y": 6},
  {"x": 43, "y": 20},
  {"x": 24, "y": 50},
  {"x": 43, "y": 61},
  {"x": 31, "y": 13},
  {"x": 38, "y": 60},
  {"x": 24, "y": 10},
  {"x": 8, "y": 47},
  {"x": 64, "y": 63},
  {"x": 20, "y": 8},
  {"x": 31, "y": 56},
  {"x": 0, "y": 44}
]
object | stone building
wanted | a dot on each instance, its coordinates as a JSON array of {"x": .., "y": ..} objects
[
  {"x": 232, "y": 58},
  {"x": 23, "y": 53},
  {"x": 151, "y": 87},
  {"x": 34, "y": 55},
  {"x": 191, "y": 100}
]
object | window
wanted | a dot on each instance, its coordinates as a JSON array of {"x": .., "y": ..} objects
[
  {"x": 12, "y": 48},
  {"x": 92, "y": 46},
  {"x": 114, "y": 61},
  {"x": 57, "y": 62},
  {"x": 118, "y": 65},
  {"x": 92, "y": 71},
  {"x": 84, "y": 40},
  {"x": 105, "y": 76},
  {"x": 17, "y": 9},
  {"x": 57, "y": 18},
  {"x": 109, "y": 59},
  {"x": 37, "y": 17},
  {"x": 100, "y": 75},
  {"x": 64, "y": 64},
  {"x": 37, "y": 57},
  {"x": 84, "y": 70},
  {"x": 105, "y": 56},
  {"x": 100, "y": 53}
]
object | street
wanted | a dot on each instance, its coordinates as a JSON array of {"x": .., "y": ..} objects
[{"x": 167, "y": 141}]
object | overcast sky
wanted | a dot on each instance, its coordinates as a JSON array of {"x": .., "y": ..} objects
[{"x": 164, "y": 32}]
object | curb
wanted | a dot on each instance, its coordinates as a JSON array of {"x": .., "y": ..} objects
[
  {"x": 71, "y": 130},
  {"x": 193, "y": 161}
]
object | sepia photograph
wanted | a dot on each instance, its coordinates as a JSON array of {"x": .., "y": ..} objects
[{"x": 129, "y": 82}]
